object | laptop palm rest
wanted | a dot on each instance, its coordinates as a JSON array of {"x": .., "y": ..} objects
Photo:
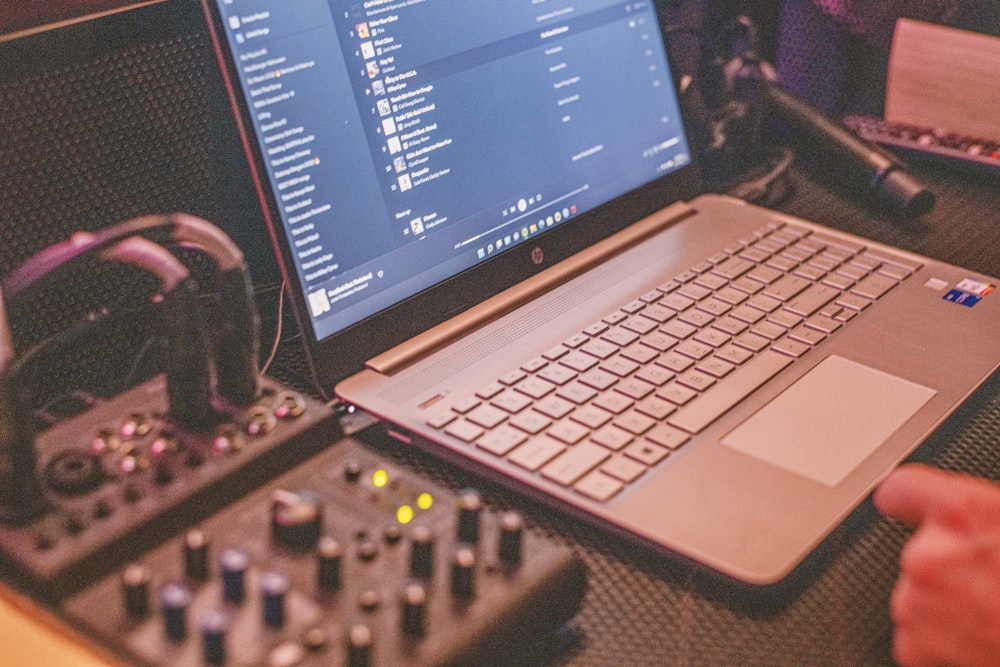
[{"x": 830, "y": 420}]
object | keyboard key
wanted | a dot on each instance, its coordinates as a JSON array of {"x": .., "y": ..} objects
[
  {"x": 748, "y": 314},
  {"x": 568, "y": 432},
  {"x": 731, "y": 295},
  {"x": 730, "y": 325},
  {"x": 676, "y": 393},
  {"x": 531, "y": 422},
  {"x": 442, "y": 419},
  {"x": 787, "y": 287},
  {"x": 634, "y": 422},
  {"x": 874, "y": 286},
  {"x": 625, "y": 469},
  {"x": 792, "y": 348},
  {"x": 601, "y": 349},
  {"x": 696, "y": 317},
  {"x": 501, "y": 440},
  {"x": 535, "y": 387},
  {"x": 535, "y": 453},
  {"x": 675, "y": 362},
  {"x": 556, "y": 353},
  {"x": 574, "y": 463},
  {"x": 599, "y": 379},
  {"x": 854, "y": 302},
  {"x": 734, "y": 354},
  {"x": 812, "y": 300},
  {"x": 639, "y": 324},
  {"x": 466, "y": 404},
  {"x": 615, "y": 317},
  {"x": 591, "y": 417},
  {"x": 646, "y": 452},
  {"x": 511, "y": 401},
  {"x": 656, "y": 407},
  {"x": 513, "y": 377},
  {"x": 535, "y": 365},
  {"x": 577, "y": 392},
  {"x": 612, "y": 437},
  {"x": 715, "y": 367},
  {"x": 658, "y": 313},
  {"x": 785, "y": 318},
  {"x": 765, "y": 303},
  {"x": 634, "y": 388},
  {"x": 620, "y": 366},
  {"x": 654, "y": 375},
  {"x": 708, "y": 407},
  {"x": 578, "y": 361},
  {"x": 823, "y": 323},
  {"x": 598, "y": 486},
  {"x": 614, "y": 403},
  {"x": 769, "y": 330},
  {"x": 463, "y": 430},
  {"x": 677, "y": 329},
  {"x": 808, "y": 335},
  {"x": 640, "y": 353},
  {"x": 555, "y": 407},
  {"x": 668, "y": 436},
  {"x": 733, "y": 268},
  {"x": 490, "y": 390},
  {"x": 621, "y": 337},
  {"x": 752, "y": 342},
  {"x": 696, "y": 380},
  {"x": 557, "y": 374},
  {"x": 487, "y": 416},
  {"x": 694, "y": 349}
]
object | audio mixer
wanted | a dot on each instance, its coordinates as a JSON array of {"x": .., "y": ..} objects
[
  {"x": 345, "y": 560},
  {"x": 268, "y": 538},
  {"x": 118, "y": 477}
]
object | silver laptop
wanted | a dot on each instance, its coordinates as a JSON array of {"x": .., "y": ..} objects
[{"x": 488, "y": 219}]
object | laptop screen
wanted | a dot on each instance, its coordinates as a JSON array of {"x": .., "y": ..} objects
[{"x": 403, "y": 142}]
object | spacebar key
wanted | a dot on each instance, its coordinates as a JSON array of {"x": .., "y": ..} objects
[{"x": 712, "y": 404}]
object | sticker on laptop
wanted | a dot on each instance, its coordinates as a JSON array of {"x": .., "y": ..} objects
[
  {"x": 975, "y": 287},
  {"x": 969, "y": 292}
]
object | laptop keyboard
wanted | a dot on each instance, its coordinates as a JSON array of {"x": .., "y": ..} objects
[{"x": 595, "y": 412}]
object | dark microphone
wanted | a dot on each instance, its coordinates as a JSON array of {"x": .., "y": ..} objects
[{"x": 856, "y": 161}]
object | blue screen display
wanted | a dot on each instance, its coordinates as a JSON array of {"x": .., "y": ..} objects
[{"x": 407, "y": 140}]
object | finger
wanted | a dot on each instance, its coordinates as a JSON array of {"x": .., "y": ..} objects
[{"x": 914, "y": 492}]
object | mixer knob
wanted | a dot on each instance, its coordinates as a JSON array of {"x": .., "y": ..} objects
[
  {"x": 214, "y": 625},
  {"x": 233, "y": 565},
  {"x": 463, "y": 573},
  {"x": 329, "y": 557},
  {"x": 421, "y": 552},
  {"x": 414, "y": 607},
  {"x": 359, "y": 646},
  {"x": 196, "y": 555},
  {"x": 470, "y": 506},
  {"x": 273, "y": 591},
  {"x": 296, "y": 518},
  {"x": 511, "y": 532},
  {"x": 175, "y": 599},
  {"x": 135, "y": 590}
]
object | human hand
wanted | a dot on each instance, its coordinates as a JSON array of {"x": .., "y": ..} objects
[{"x": 946, "y": 603}]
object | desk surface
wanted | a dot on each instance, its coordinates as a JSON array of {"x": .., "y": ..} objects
[{"x": 642, "y": 609}]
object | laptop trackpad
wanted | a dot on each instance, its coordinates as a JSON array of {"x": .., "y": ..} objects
[{"x": 830, "y": 420}]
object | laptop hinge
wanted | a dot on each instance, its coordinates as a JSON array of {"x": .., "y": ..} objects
[{"x": 417, "y": 347}]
